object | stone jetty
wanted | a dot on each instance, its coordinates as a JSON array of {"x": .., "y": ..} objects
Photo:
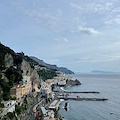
[
  {"x": 86, "y": 99},
  {"x": 82, "y": 92}
]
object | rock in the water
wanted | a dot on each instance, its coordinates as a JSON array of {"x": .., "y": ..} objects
[
  {"x": 72, "y": 82},
  {"x": 77, "y": 82}
]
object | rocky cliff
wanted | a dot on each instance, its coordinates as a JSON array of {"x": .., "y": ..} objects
[
  {"x": 8, "y": 60},
  {"x": 13, "y": 66},
  {"x": 26, "y": 68}
]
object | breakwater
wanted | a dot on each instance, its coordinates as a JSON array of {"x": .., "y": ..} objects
[
  {"x": 86, "y": 99},
  {"x": 82, "y": 92}
]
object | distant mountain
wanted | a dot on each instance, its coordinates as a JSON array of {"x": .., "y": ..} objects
[
  {"x": 102, "y": 72},
  {"x": 62, "y": 69}
]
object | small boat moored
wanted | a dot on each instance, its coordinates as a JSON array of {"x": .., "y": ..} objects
[
  {"x": 66, "y": 107},
  {"x": 111, "y": 112}
]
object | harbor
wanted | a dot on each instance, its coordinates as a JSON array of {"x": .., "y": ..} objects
[{"x": 66, "y": 95}]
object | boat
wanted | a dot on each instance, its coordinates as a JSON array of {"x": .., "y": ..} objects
[
  {"x": 61, "y": 100},
  {"x": 66, "y": 107},
  {"x": 111, "y": 112}
]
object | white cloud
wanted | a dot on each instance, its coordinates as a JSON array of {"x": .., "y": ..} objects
[
  {"x": 104, "y": 8},
  {"x": 114, "y": 20},
  {"x": 99, "y": 58},
  {"x": 61, "y": 39},
  {"x": 114, "y": 46},
  {"x": 93, "y": 7},
  {"x": 46, "y": 19},
  {"x": 74, "y": 5},
  {"x": 88, "y": 31}
]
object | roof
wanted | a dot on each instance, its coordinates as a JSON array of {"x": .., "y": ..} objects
[
  {"x": 15, "y": 88},
  {"x": 37, "y": 113},
  {"x": 53, "y": 104},
  {"x": 5, "y": 102},
  {"x": 44, "y": 111}
]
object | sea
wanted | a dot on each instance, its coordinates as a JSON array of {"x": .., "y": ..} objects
[{"x": 109, "y": 87}]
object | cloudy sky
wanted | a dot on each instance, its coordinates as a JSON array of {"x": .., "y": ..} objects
[{"x": 82, "y": 35}]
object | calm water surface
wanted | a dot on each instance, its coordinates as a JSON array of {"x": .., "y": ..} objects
[{"x": 107, "y": 85}]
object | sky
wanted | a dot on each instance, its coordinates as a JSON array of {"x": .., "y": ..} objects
[{"x": 82, "y": 35}]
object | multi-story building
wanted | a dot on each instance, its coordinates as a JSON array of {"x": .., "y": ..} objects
[
  {"x": 23, "y": 88},
  {"x": 46, "y": 88},
  {"x": 15, "y": 92},
  {"x": 54, "y": 105},
  {"x": 35, "y": 87},
  {"x": 62, "y": 83},
  {"x": 48, "y": 114},
  {"x": 9, "y": 106},
  {"x": 28, "y": 85}
]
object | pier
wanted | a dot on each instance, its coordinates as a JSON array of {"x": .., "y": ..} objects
[
  {"x": 65, "y": 91},
  {"x": 82, "y": 92},
  {"x": 65, "y": 95},
  {"x": 86, "y": 99}
]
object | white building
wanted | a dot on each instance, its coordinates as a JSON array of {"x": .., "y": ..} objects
[
  {"x": 62, "y": 82},
  {"x": 44, "y": 111},
  {"x": 26, "y": 79},
  {"x": 27, "y": 82},
  {"x": 10, "y": 105},
  {"x": 54, "y": 105},
  {"x": 48, "y": 114}
]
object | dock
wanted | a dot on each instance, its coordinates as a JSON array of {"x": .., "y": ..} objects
[
  {"x": 65, "y": 91},
  {"x": 86, "y": 99},
  {"x": 82, "y": 92},
  {"x": 65, "y": 95}
]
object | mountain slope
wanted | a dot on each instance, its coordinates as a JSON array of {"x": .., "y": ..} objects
[
  {"x": 14, "y": 66},
  {"x": 62, "y": 69}
]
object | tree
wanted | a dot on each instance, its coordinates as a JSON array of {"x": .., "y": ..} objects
[
  {"x": 6, "y": 89},
  {"x": 11, "y": 80},
  {"x": 1, "y": 104},
  {"x": 52, "y": 86},
  {"x": 18, "y": 109},
  {"x": 0, "y": 96}
]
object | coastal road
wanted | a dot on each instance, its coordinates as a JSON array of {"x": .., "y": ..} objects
[
  {"x": 31, "y": 117},
  {"x": 32, "y": 114}
]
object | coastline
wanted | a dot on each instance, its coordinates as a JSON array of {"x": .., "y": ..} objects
[
  {"x": 72, "y": 83},
  {"x": 69, "y": 83}
]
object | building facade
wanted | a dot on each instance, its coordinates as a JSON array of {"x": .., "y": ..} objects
[{"x": 15, "y": 92}]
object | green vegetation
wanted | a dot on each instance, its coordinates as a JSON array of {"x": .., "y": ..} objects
[
  {"x": 18, "y": 59},
  {"x": 1, "y": 104},
  {"x": 19, "y": 109},
  {"x": 52, "y": 86},
  {"x": 6, "y": 88},
  {"x": 32, "y": 62},
  {"x": 10, "y": 116},
  {"x": 11, "y": 80},
  {"x": 47, "y": 74},
  {"x": 14, "y": 75}
]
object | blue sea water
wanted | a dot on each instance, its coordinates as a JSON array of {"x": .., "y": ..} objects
[{"x": 109, "y": 87}]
